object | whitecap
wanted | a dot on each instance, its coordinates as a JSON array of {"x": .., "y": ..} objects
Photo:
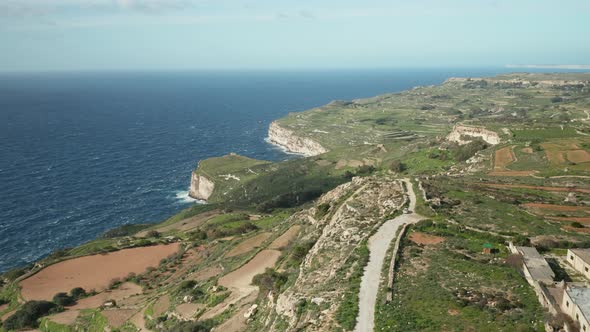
[{"x": 182, "y": 197}]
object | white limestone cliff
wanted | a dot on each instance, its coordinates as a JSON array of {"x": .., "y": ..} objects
[
  {"x": 288, "y": 140},
  {"x": 201, "y": 187}
]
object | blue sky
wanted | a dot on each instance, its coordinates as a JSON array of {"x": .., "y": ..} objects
[{"x": 288, "y": 34}]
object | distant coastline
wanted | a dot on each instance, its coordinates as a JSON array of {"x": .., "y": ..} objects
[{"x": 549, "y": 66}]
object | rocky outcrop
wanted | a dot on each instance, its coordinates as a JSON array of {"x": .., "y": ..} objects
[
  {"x": 460, "y": 132},
  {"x": 287, "y": 139},
  {"x": 201, "y": 187},
  {"x": 355, "y": 210}
]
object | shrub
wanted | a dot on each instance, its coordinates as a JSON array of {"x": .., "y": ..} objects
[
  {"x": 78, "y": 293},
  {"x": 556, "y": 99},
  {"x": 114, "y": 283},
  {"x": 365, "y": 170},
  {"x": 577, "y": 225},
  {"x": 521, "y": 240},
  {"x": 300, "y": 251},
  {"x": 397, "y": 166},
  {"x": 197, "y": 235},
  {"x": 63, "y": 299},
  {"x": 464, "y": 152},
  {"x": 153, "y": 233},
  {"x": 125, "y": 230},
  {"x": 29, "y": 313},
  {"x": 270, "y": 280},
  {"x": 189, "y": 326},
  {"x": 322, "y": 210}
]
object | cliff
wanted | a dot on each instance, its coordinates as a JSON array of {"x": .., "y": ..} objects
[
  {"x": 201, "y": 187},
  {"x": 460, "y": 131},
  {"x": 288, "y": 140}
]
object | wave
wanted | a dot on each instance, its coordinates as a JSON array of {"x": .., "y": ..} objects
[{"x": 182, "y": 197}]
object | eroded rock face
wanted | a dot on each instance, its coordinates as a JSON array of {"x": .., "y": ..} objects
[
  {"x": 356, "y": 208},
  {"x": 287, "y": 139},
  {"x": 201, "y": 187},
  {"x": 460, "y": 130}
]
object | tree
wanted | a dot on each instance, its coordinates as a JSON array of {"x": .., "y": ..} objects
[
  {"x": 78, "y": 292},
  {"x": 29, "y": 313},
  {"x": 63, "y": 299}
]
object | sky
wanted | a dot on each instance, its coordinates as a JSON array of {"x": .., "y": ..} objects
[{"x": 46, "y": 35}]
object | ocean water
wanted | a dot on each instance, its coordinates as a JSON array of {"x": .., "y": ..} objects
[{"x": 81, "y": 153}]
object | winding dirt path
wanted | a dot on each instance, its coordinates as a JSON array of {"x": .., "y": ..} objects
[{"x": 378, "y": 245}]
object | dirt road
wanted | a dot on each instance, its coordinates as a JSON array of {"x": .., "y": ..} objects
[{"x": 378, "y": 245}]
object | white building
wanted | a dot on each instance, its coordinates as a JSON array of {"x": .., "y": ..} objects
[
  {"x": 576, "y": 304},
  {"x": 579, "y": 259}
]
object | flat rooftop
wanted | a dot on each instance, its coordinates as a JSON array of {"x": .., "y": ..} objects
[
  {"x": 581, "y": 297},
  {"x": 536, "y": 264},
  {"x": 584, "y": 254}
]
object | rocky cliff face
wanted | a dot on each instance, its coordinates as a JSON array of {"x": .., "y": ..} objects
[
  {"x": 356, "y": 208},
  {"x": 201, "y": 187},
  {"x": 287, "y": 139},
  {"x": 460, "y": 131}
]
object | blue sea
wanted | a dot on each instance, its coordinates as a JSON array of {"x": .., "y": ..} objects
[{"x": 82, "y": 153}]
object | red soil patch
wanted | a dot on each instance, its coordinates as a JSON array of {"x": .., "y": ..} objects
[
  {"x": 161, "y": 305},
  {"x": 139, "y": 321},
  {"x": 566, "y": 189},
  {"x": 285, "y": 238},
  {"x": 581, "y": 220},
  {"x": 555, "y": 157},
  {"x": 511, "y": 173},
  {"x": 555, "y": 207},
  {"x": 124, "y": 291},
  {"x": 206, "y": 273},
  {"x": 248, "y": 244},
  {"x": 503, "y": 158},
  {"x": 527, "y": 150},
  {"x": 242, "y": 277},
  {"x": 93, "y": 272},
  {"x": 584, "y": 230},
  {"x": 578, "y": 156},
  {"x": 118, "y": 317},
  {"x": 421, "y": 238}
]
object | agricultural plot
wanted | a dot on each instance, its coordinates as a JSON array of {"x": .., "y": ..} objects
[{"x": 452, "y": 286}]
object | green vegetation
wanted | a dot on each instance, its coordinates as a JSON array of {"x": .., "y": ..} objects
[
  {"x": 125, "y": 230},
  {"x": 349, "y": 307},
  {"x": 91, "y": 320},
  {"x": 452, "y": 286},
  {"x": 270, "y": 281},
  {"x": 27, "y": 316},
  {"x": 472, "y": 203}
]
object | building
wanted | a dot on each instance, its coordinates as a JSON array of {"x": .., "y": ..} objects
[
  {"x": 535, "y": 266},
  {"x": 576, "y": 304},
  {"x": 579, "y": 259}
]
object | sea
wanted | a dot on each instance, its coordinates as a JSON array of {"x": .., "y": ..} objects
[{"x": 84, "y": 152}]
